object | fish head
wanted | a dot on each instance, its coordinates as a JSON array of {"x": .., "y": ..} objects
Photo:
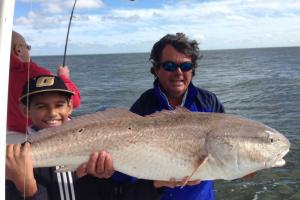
[
  {"x": 262, "y": 149},
  {"x": 247, "y": 147},
  {"x": 274, "y": 147}
]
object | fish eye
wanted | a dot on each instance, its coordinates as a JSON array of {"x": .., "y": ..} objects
[
  {"x": 270, "y": 139},
  {"x": 270, "y": 136}
]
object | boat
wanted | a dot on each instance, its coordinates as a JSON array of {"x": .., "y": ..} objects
[{"x": 6, "y": 24}]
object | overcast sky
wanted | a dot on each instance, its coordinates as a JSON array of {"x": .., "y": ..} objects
[{"x": 121, "y": 26}]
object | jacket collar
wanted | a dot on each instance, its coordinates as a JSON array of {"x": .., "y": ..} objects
[{"x": 188, "y": 98}]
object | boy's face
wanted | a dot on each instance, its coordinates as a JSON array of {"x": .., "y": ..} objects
[{"x": 49, "y": 109}]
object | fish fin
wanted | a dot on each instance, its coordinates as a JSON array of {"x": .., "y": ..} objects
[
  {"x": 110, "y": 114},
  {"x": 200, "y": 163},
  {"x": 164, "y": 112},
  {"x": 161, "y": 113},
  {"x": 117, "y": 113},
  {"x": 180, "y": 109},
  {"x": 66, "y": 168}
]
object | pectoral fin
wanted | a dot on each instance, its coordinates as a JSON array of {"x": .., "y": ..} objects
[{"x": 201, "y": 161}]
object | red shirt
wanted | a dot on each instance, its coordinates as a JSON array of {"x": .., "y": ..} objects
[{"x": 18, "y": 76}]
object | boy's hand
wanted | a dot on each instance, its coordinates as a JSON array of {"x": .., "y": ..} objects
[
  {"x": 19, "y": 168},
  {"x": 174, "y": 183},
  {"x": 100, "y": 165}
]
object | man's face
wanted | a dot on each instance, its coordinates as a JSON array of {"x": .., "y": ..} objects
[
  {"x": 175, "y": 83},
  {"x": 48, "y": 110}
]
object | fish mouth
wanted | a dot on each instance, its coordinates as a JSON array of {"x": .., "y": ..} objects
[{"x": 279, "y": 161}]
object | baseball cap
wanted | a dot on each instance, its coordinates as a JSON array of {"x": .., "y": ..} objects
[{"x": 43, "y": 83}]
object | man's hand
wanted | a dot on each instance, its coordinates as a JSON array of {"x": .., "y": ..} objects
[
  {"x": 100, "y": 165},
  {"x": 19, "y": 168},
  {"x": 65, "y": 71},
  {"x": 174, "y": 183}
]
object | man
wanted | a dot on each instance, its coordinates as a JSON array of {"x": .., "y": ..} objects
[
  {"x": 174, "y": 61},
  {"x": 21, "y": 69}
]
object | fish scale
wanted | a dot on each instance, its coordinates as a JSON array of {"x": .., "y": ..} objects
[{"x": 164, "y": 145}]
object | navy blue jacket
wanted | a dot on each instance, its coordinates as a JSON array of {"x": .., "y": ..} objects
[{"x": 197, "y": 100}]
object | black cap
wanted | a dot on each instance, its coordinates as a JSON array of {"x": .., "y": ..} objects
[{"x": 44, "y": 83}]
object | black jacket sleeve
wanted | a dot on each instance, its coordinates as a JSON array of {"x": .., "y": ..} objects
[
  {"x": 208, "y": 101},
  {"x": 146, "y": 104},
  {"x": 12, "y": 193}
]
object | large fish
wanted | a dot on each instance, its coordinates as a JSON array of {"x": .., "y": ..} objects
[{"x": 164, "y": 145}]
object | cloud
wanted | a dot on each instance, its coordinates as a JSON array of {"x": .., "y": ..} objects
[
  {"x": 38, "y": 21},
  {"x": 53, "y": 8},
  {"x": 59, "y": 6},
  {"x": 216, "y": 24},
  {"x": 89, "y": 4},
  {"x": 26, "y": 20}
]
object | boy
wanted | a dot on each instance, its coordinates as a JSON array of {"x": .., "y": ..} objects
[
  {"x": 21, "y": 69},
  {"x": 47, "y": 101}
]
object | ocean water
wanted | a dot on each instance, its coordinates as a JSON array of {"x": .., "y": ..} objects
[{"x": 261, "y": 84}]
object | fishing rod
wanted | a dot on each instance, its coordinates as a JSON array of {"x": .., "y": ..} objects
[{"x": 67, "y": 38}]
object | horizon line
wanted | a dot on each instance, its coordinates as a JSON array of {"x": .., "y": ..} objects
[{"x": 113, "y": 53}]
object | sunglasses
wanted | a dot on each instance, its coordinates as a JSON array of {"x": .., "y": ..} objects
[
  {"x": 28, "y": 47},
  {"x": 172, "y": 66}
]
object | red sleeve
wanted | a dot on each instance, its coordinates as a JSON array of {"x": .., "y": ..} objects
[
  {"x": 36, "y": 70},
  {"x": 71, "y": 86},
  {"x": 18, "y": 76}
]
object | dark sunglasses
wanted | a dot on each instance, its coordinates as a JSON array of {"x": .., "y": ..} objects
[{"x": 172, "y": 66}]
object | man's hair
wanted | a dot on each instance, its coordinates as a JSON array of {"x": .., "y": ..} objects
[{"x": 181, "y": 43}]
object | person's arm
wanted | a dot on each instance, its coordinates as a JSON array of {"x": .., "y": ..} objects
[
  {"x": 36, "y": 70},
  {"x": 218, "y": 106},
  {"x": 21, "y": 183},
  {"x": 19, "y": 168},
  {"x": 64, "y": 74},
  {"x": 146, "y": 104}
]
